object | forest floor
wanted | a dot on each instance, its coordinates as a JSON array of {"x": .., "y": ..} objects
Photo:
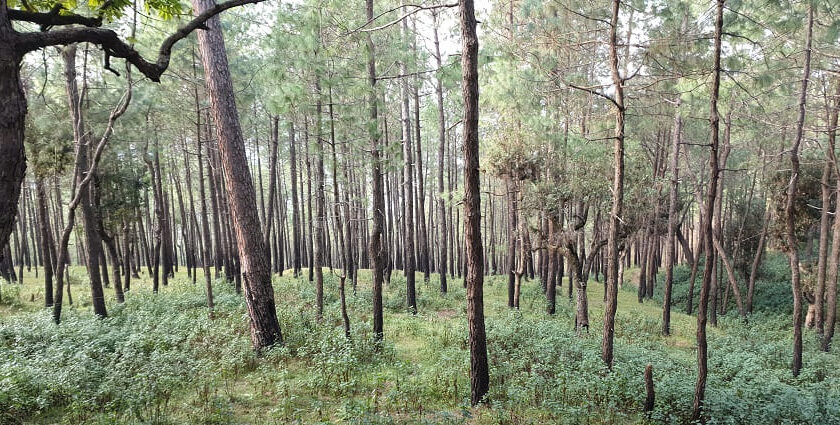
[{"x": 160, "y": 359}]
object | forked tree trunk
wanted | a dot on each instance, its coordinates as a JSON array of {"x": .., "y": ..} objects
[
  {"x": 255, "y": 267},
  {"x": 714, "y": 123},
  {"x": 83, "y": 150}
]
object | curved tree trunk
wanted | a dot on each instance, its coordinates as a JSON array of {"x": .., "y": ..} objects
[{"x": 83, "y": 150}]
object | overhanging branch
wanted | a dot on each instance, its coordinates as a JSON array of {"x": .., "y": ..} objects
[
  {"x": 53, "y": 18},
  {"x": 116, "y": 47}
]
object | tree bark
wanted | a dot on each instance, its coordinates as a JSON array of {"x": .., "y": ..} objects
[
  {"x": 256, "y": 272},
  {"x": 834, "y": 258},
  {"x": 320, "y": 219},
  {"x": 616, "y": 211},
  {"x": 83, "y": 150},
  {"x": 47, "y": 242},
  {"x": 714, "y": 123},
  {"x": 670, "y": 249},
  {"x": 441, "y": 149},
  {"x": 479, "y": 370},
  {"x": 790, "y": 200},
  {"x": 408, "y": 191},
  {"x": 378, "y": 251},
  {"x": 12, "y": 122}
]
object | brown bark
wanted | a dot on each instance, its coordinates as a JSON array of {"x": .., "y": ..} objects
[
  {"x": 479, "y": 370},
  {"x": 207, "y": 248},
  {"x": 825, "y": 221},
  {"x": 255, "y": 268},
  {"x": 12, "y": 121},
  {"x": 790, "y": 200},
  {"x": 83, "y": 151},
  {"x": 320, "y": 218},
  {"x": 733, "y": 282},
  {"x": 834, "y": 258},
  {"x": 378, "y": 251},
  {"x": 616, "y": 210},
  {"x": 47, "y": 242},
  {"x": 408, "y": 189},
  {"x": 670, "y": 248},
  {"x": 714, "y": 123},
  {"x": 442, "y": 223},
  {"x": 511, "y": 234},
  {"x": 296, "y": 221}
]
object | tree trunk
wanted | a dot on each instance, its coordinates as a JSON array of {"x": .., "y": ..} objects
[
  {"x": 408, "y": 190},
  {"x": 714, "y": 123},
  {"x": 479, "y": 371},
  {"x": 207, "y": 249},
  {"x": 83, "y": 150},
  {"x": 377, "y": 250},
  {"x": 790, "y": 200},
  {"x": 320, "y": 219},
  {"x": 511, "y": 223},
  {"x": 825, "y": 224},
  {"x": 616, "y": 210},
  {"x": 441, "y": 149},
  {"x": 834, "y": 259},
  {"x": 670, "y": 249},
  {"x": 47, "y": 242},
  {"x": 12, "y": 122},
  {"x": 256, "y": 272}
]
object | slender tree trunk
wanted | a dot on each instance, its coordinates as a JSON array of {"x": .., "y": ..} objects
[
  {"x": 83, "y": 151},
  {"x": 47, "y": 243},
  {"x": 616, "y": 210},
  {"x": 207, "y": 251},
  {"x": 834, "y": 258},
  {"x": 377, "y": 250},
  {"x": 256, "y": 271},
  {"x": 714, "y": 123},
  {"x": 511, "y": 223},
  {"x": 320, "y": 219},
  {"x": 408, "y": 192},
  {"x": 670, "y": 249},
  {"x": 127, "y": 264},
  {"x": 441, "y": 149},
  {"x": 790, "y": 201},
  {"x": 825, "y": 224}
]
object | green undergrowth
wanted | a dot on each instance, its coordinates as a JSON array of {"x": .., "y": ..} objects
[{"x": 159, "y": 359}]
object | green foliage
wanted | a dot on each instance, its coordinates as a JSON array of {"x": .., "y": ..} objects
[
  {"x": 159, "y": 359},
  {"x": 772, "y": 287}
]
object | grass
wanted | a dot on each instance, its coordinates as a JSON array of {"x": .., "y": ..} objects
[{"x": 540, "y": 371}]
